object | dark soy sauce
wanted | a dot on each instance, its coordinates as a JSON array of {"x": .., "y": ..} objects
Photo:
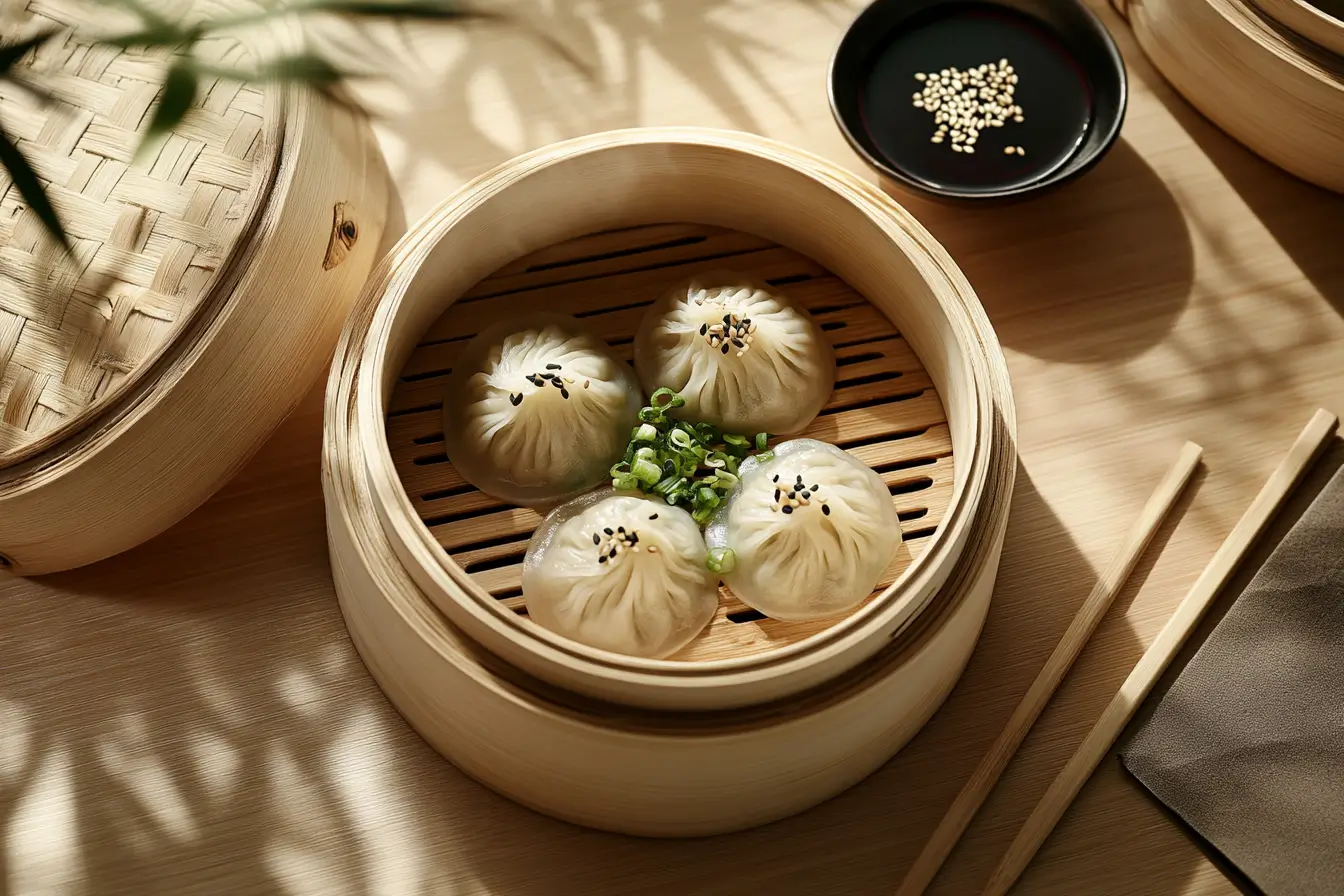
[{"x": 1052, "y": 90}]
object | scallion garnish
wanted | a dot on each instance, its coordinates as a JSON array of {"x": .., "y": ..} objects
[
  {"x": 688, "y": 464},
  {"x": 721, "y": 560}
]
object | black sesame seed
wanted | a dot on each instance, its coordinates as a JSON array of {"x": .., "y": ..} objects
[
  {"x": 776, "y": 494},
  {"x": 826, "y": 509},
  {"x": 725, "y": 348},
  {"x": 814, "y": 488},
  {"x": 727, "y": 319},
  {"x": 792, "y": 495},
  {"x": 739, "y": 343},
  {"x": 564, "y": 393},
  {"x": 597, "y": 539},
  {"x": 515, "y": 399},
  {"x": 552, "y": 366},
  {"x": 704, "y": 328},
  {"x": 653, "y": 516},
  {"x": 787, "y": 509},
  {"x": 602, "y": 559},
  {"x": 557, "y": 384},
  {"x": 608, "y": 531},
  {"x": 776, "y": 479},
  {"x": 634, "y": 538},
  {"x": 620, "y": 529},
  {"x": 807, "y": 494},
  {"x": 747, "y": 322}
]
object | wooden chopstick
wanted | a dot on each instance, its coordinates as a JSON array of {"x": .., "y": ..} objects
[
  {"x": 1160, "y": 654},
  {"x": 1084, "y": 623}
]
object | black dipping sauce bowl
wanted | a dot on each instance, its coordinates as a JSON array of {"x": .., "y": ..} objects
[{"x": 1070, "y": 84}]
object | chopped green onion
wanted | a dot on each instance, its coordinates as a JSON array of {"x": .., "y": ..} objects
[
  {"x": 647, "y": 472},
  {"x": 762, "y": 440},
  {"x": 692, "y": 465},
  {"x": 664, "y": 397},
  {"x": 721, "y": 560}
]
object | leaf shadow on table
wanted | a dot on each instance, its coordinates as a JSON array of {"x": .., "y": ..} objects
[
  {"x": 1070, "y": 266},
  {"x": 1304, "y": 219},
  {"x": 497, "y": 91},
  {"x": 166, "y": 698}
]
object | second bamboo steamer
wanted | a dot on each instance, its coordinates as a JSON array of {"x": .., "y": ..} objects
[
  {"x": 672, "y": 747},
  {"x": 1278, "y": 92}
]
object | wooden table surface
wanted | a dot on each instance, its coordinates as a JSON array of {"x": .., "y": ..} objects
[{"x": 191, "y": 717}]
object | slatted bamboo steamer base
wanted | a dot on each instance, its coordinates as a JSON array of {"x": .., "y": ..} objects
[
  {"x": 884, "y": 406},
  {"x": 676, "y": 747},
  {"x": 1275, "y": 90},
  {"x": 210, "y": 281}
]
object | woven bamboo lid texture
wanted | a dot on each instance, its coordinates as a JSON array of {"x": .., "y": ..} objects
[
  {"x": 152, "y": 239},
  {"x": 241, "y": 236}
]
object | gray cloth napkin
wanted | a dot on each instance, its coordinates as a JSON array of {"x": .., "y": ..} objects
[{"x": 1247, "y": 746}]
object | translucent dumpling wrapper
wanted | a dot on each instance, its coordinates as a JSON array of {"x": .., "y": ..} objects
[
  {"x": 620, "y": 572},
  {"x": 744, "y": 356},
  {"x": 812, "y": 529},
  {"x": 538, "y": 409}
]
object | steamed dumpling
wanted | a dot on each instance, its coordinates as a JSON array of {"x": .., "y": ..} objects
[
  {"x": 621, "y": 573},
  {"x": 743, "y": 356},
  {"x": 812, "y": 530},
  {"x": 538, "y": 409}
]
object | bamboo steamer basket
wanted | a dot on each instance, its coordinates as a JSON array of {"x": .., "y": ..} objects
[
  {"x": 210, "y": 283},
  {"x": 1309, "y": 21},
  {"x": 677, "y": 747},
  {"x": 634, "y": 181},
  {"x": 1278, "y": 92}
]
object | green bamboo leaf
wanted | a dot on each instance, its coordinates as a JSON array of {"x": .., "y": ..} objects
[
  {"x": 30, "y": 188},
  {"x": 437, "y": 10},
  {"x": 165, "y": 35},
  {"x": 179, "y": 92},
  {"x": 12, "y": 53},
  {"x": 306, "y": 68},
  {"x": 434, "y": 10}
]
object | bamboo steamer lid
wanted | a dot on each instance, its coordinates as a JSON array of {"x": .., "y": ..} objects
[
  {"x": 209, "y": 282},
  {"x": 1279, "y": 92},
  {"x": 662, "y": 748}
]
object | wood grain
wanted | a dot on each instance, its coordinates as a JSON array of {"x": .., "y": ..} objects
[
  {"x": 190, "y": 718},
  {"x": 1304, "y": 452},
  {"x": 610, "y": 279}
]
